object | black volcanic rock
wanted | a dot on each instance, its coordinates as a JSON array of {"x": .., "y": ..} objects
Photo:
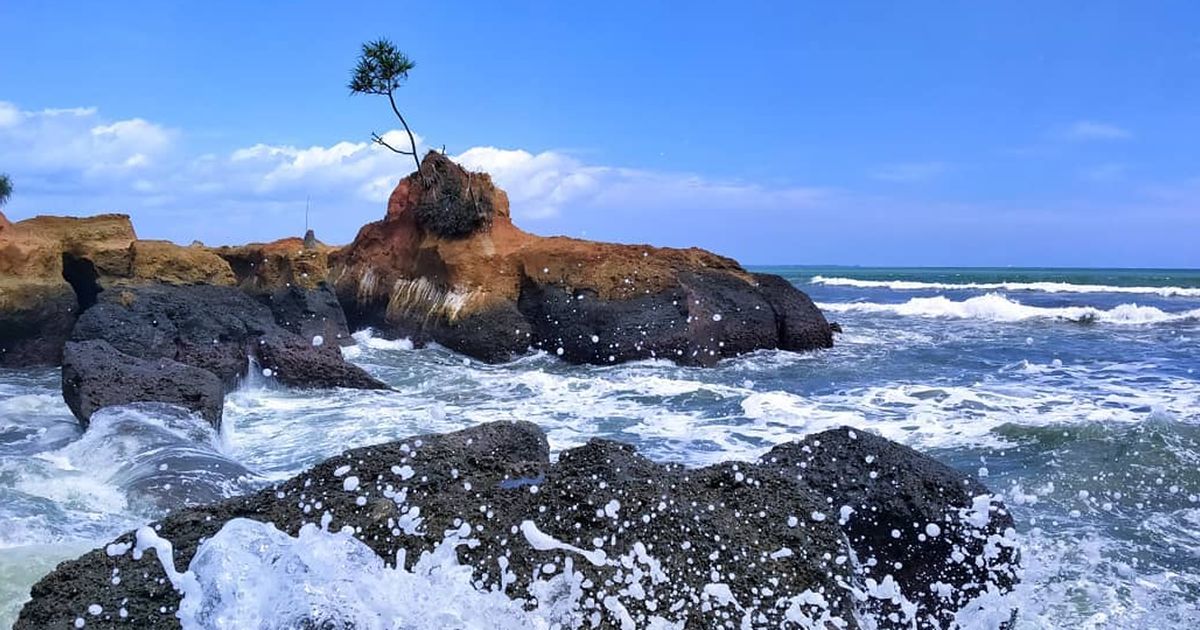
[
  {"x": 724, "y": 546},
  {"x": 936, "y": 532},
  {"x": 215, "y": 328},
  {"x": 96, "y": 375}
]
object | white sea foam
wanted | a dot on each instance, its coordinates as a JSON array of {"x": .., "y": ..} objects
[
  {"x": 1046, "y": 287},
  {"x": 251, "y": 575},
  {"x": 996, "y": 307},
  {"x": 367, "y": 340}
]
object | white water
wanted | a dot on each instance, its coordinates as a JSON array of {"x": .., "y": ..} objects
[
  {"x": 1046, "y": 287},
  {"x": 998, "y": 308},
  {"x": 1088, "y": 432}
]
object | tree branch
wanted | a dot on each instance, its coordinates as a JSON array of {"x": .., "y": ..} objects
[{"x": 378, "y": 140}]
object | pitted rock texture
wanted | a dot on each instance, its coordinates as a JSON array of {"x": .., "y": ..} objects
[
  {"x": 97, "y": 375},
  {"x": 728, "y": 546},
  {"x": 219, "y": 329}
]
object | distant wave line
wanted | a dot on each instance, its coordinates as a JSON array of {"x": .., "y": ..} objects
[
  {"x": 996, "y": 307},
  {"x": 1048, "y": 287}
]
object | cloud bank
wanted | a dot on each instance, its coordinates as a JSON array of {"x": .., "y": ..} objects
[{"x": 75, "y": 161}]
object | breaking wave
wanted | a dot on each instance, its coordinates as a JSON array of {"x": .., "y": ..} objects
[
  {"x": 1045, "y": 287},
  {"x": 998, "y": 308}
]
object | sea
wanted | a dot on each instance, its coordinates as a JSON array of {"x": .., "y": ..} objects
[{"x": 1072, "y": 393}]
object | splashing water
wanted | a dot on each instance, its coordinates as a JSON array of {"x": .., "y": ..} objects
[{"x": 1090, "y": 433}]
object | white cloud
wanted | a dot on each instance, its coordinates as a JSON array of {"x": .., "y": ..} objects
[
  {"x": 77, "y": 140},
  {"x": 75, "y": 161},
  {"x": 549, "y": 183},
  {"x": 1084, "y": 130},
  {"x": 909, "y": 172}
]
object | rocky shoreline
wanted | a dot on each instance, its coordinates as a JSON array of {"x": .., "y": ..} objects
[{"x": 816, "y": 533}]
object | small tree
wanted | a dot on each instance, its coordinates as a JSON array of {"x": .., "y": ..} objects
[
  {"x": 5, "y": 188},
  {"x": 380, "y": 70}
]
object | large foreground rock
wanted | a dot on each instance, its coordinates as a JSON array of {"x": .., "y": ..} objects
[
  {"x": 447, "y": 264},
  {"x": 97, "y": 375},
  {"x": 215, "y": 328},
  {"x": 729, "y": 546}
]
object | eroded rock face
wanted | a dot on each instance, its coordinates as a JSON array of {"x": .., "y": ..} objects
[
  {"x": 40, "y": 259},
  {"x": 97, "y": 375},
  {"x": 289, "y": 276},
  {"x": 218, "y": 329},
  {"x": 166, "y": 262},
  {"x": 728, "y": 546},
  {"x": 35, "y": 320},
  {"x": 433, "y": 270}
]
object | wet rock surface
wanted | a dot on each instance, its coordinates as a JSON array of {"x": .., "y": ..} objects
[
  {"x": 219, "y": 329},
  {"x": 935, "y": 531},
  {"x": 433, "y": 270},
  {"x": 97, "y": 375},
  {"x": 732, "y": 545}
]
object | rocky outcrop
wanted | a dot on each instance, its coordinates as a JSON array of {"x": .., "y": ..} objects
[
  {"x": 605, "y": 536},
  {"x": 215, "y": 328},
  {"x": 289, "y": 276},
  {"x": 447, "y": 264},
  {"x": 96, "y": 375},
  {"x": 49, "y": 268}
]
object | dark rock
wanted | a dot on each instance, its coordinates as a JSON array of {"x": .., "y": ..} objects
[
  {"x": 667, "y": 530},
  {"x": 494, "y": 335},
  {"x": 35, "y": 320},
  {"x": 310, "y": 313},
  {"x": 296, "y": 362},
  {"x": 218, "y": 329},
  {"x": 769, "y": 532},
  {"x": 801, "y": 326},
  {"x": 896, "y": 495},
  {"x": 96, "y": 375}
]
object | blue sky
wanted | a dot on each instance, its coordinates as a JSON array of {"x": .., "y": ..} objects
[{"x": 873, "y": 133}]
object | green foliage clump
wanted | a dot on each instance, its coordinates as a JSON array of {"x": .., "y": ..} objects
[{"x": 5, "y": 188}]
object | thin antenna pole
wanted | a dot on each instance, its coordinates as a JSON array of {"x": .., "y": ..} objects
[{"x": 306, "y": 198}]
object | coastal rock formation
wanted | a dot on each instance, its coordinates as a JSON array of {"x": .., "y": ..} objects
[
  {"x": 96, "y": 375},
  {"x": 447, "y": 264},
  {"x": 289, "y": 276},
  {"x": 41, "y": 261},
  {"x": 603, "y": 537},
  {"x": 215, "y": 328}
]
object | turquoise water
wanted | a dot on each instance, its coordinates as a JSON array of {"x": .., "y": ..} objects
[{"x": 1075, "y": 394}]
